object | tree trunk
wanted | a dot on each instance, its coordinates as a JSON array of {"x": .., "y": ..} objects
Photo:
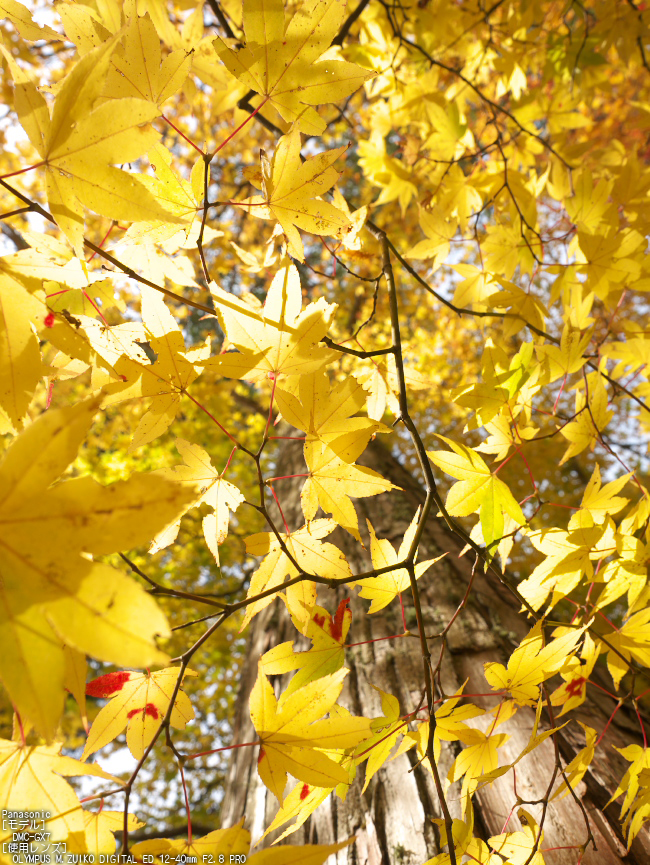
[{"x": 392, "y": 819}]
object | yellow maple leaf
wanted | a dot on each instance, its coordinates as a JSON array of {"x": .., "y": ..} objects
[
  {"x": 22, "y": 20},
  {"x": 518, "y": 847},
  {"x": 634, "y": 783},
  {"x": 477, "y": 759},
  {"x": 575, "y": 771},
  {"x": 573, "y": 692},
  {"x": 632, "y": 640},
  {"x": 31, "y": 780},
  {"x": 234, "y": 846},
  {"x": 477, "y": 490},
  {"x": 101, "y": 827},
  {"x": 326, "y": 656},
  {"x": 20, "y": 354},
  {"x": 79, "y": 143},
  {"x": 531, "y": 664},
  {"x": 165, "y": 381},
  {"x": 383, "y": 589},
  {"x": 439, "y": 230},
  {"x": 276, "y": 339},
  {"x": 323, "y": 559},
  {"x": 331, "y": 483},
  {"x": 52, "y": 592},
  {"x": 592, "y": 417},
  {"x": 278, "y": 60},
  {"x": 222, "y": 496},
  {"x": 324, "y": 412},
  {"x": 292, "y": 191},
  {"x": 293, "y": 732},
  {"x": 139, "y": 702},
  {"x": 137, "y": 68}
]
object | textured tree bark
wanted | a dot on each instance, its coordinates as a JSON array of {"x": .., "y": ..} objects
[{"x": 392, "y": 819}]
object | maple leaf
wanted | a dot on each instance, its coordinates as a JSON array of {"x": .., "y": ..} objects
[
  {"x": 276, "y": 339},
  {"x": 532, "y": 663},
  {"x": 593, "y": 416},
  {"x": 100, "y": 829},
  {"x": 635, "y": 781},
  {"x": 576, "y": 675},
  {"x": 78, "y": 143},
  {"x": 518, "y": 847},
  {"x": 54, "y": 595},
  {"x": 323, "y": 412},
  {"x": 565, "y": 358},
  {"x": 292, "y": 191},
  {"x": 22, "y": 20},
  {"x": 222, "y": 496},
  {"x": 385, "y": 731},
  {"x": 575, "y": 771},
  {"x": 383, "y": 589},
  {"x": 326, "y": 656},
  {"x": 332, "y": 481},
  {"x": 450, "y": 726},
  {"x": 439, "y": 231},
  {"x": 632, "y": 640},
  {"x": 182, "y": 198},
  {"x": 323, "y": 559},
  {"x": 292, "y": 730},
  {"x": 234, "y": 845},
  {"x": 477, "y": 759},
  {"x": 278, "y": 60},
  {"x": 477, "y": 490},
  {"x": 31, "y": 780},
  {"x": 137, "y": 68},
  {"x": 139, "y": 702},
  {"x": 599, "y": 501},
  {"x": 20, "y": 354},
  {"x": 164, "y": 381}
]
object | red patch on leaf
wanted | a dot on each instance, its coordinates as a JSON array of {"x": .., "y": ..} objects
[
  {"x": 149, "y": 709},
  {"x": 261, "y": 756},
  {"x": 319, "y": 620},
  {"x": 304, "y": 792},
  {"x": 574, "y": 688},
  {"x": 109, "y": 684},
  {"x": 49, "y": 320},
  {"x": 337, "y": 622}
]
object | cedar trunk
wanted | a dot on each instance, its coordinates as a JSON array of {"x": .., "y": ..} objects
[{"x": 392, "y": 819}]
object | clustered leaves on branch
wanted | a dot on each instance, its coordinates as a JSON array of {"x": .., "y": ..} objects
[{"x": 514, "y": 331}]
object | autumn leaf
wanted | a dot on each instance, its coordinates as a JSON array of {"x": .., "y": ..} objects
[
  {"x": 101, "y": 828},
  {"x": 137, "y": 68},
  {"x": 78, "y": 143},
  {"x": 32, "y": 778},
  {"x": 20, "y": 354},
  {"x": 222, "y": 496},
  {"x": 139, "y": 702},
  {"x": 324, "y": 412},
  {"x": 52, "y": 593},
  {"x": 292, "y": 191},
  {"x": 575, "y": 771},
  {"x": 234, "y": 845},
  {"x": 477, "y": 490},
  {"x": 332, "y": 482},
  {"x": 532, "y": 663},
  {"x": 322, "y": 559},
  {"x": 276, "y": 339},
  {"x": 165, "y": 381},
  {"x": 383, "y": 589},
  {"x": 278, "y": 60},
  {"x": 293, "y": 733},
  {"x": 520, "y": 848},
  {"x": 326, "y": 656},
  {"x": 479, "y": 758}
]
